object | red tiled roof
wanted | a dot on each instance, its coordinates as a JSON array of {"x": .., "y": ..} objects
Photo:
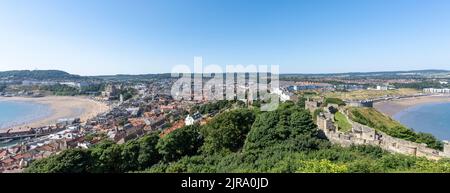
[
  {"x": 174, "y": 127},
  {"x": 137, "y": 122},
  {"x": 8, "y": 161},
  {"x": 3, "y": 153},
  {"x": 22, "y": 156},
  {"x": 45, "y": 148}
]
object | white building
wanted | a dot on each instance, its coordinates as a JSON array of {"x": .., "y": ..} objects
[
  {"x": 84, "y": 145},
  {"x": 283, "y": 97},
  {"x": 382, "y": 88},
  {"x": 437, "y": 90},
  {"x": 189, "y": 120}
]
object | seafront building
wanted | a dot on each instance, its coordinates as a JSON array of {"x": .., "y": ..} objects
[{"x": 437, "y": 90}]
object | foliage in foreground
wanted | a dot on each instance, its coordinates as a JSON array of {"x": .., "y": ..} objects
[{"x": 285, "y": 140}]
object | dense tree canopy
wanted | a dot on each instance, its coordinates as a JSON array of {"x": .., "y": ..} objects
[
  {"x": 213, "y": 107},
  {"x": 185, "y": 141},
  {"x": 227, "y": 131},
  {"x": 69, "y": 161},
  {"x": 288, "y": 125},
  {"x": 103, "y": 157},
  {"x": 38, "y": 74}
]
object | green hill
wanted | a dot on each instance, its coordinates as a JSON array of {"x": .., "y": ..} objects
[{"x": 37, "y": 75}]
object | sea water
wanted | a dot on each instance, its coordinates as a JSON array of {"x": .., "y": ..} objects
[
  {"x": 14, "y": 113},
  {"x": 431, "y": 118}
]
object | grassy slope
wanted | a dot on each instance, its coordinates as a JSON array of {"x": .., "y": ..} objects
[
  {"x": 376, "y": 119},
  {"x": 342, "y": 122},
  {"x": 372, "y": 118}
]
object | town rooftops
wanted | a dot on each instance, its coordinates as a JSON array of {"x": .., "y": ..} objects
[{"x": 3, "y": 153}]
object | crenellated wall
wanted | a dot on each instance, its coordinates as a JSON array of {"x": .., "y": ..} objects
[{"x": 362, "y": 134}]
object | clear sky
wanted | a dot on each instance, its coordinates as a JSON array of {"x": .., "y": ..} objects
[{"x": 92, "y": 37}]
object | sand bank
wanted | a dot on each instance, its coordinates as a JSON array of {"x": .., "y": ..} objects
[
  {"x": 62, "y": 107},
  {"x": 393, "y": 107}
]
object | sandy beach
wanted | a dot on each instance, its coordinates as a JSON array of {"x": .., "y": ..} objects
[
  {"x": 62, "y": 107},
  {"x": 393, "y": 107}
]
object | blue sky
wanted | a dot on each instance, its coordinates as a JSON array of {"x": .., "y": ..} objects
[{"x": 92, "y": 37}]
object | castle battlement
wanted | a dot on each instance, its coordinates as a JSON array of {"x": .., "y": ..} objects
[{"x": 362, "y": 134}]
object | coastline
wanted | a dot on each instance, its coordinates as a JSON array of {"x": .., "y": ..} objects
[
  {"x": 392, "y": 107},
  {"x": 60, "y": 107}
]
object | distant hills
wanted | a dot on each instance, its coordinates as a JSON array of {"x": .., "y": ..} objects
[
  {"x": 38, "y": 75},
  {"x": 429, "y": 71},
  {"x": 61, "y": 75},
  {"x": 380, "y": 74}
]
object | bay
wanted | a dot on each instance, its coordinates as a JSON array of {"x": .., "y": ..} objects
[
  {"x": 14, "y": 113},
  {"x": 431, "y": 118}
]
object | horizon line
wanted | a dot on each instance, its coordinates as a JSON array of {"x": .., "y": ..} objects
[{"x": 291, "y": 73}]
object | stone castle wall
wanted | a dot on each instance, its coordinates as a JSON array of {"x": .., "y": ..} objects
[{"x": 362, "y": 134}]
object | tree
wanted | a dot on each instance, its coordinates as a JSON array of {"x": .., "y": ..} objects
[
  {"x": 128, "y": 93},
  {"x": 227, "y": 131},
  {"x": 130, "y": 155},
  {"x": 110, "y": 159},
  {"x": 301, "y": 123},
  {"x": 333, "y": 110},
  {"x": 3, "y": 87},
  {"x": 62, "y": 90},
  {"x": 69, "y": 161},
  {"x": 179, "y": 143},
  {"x": 148, "y": 154},
  {"x": 289, "y": 125},
  {"x": 301, "y": 102},
  {"x": 104, "y": 157}
]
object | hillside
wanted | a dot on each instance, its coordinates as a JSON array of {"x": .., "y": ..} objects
[
  {"x": 37, "y": 75},
  {"x": 128, "y": 77},
  {"x": 373, "y": 118},
  {"x": 379, "y": 74},
  {"x": 285, "y": 140}
]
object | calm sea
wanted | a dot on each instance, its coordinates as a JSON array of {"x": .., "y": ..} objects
[
  {"x": 14, "y": 113},
  {"x": 429, "y": 118}
]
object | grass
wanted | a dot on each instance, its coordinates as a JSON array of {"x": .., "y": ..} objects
[
  {"x": 336, "y": 101},
  {"x": 342, "y": 122},
  {"x": 372, "y": 118},
  {"x": 370, "y": 94}
]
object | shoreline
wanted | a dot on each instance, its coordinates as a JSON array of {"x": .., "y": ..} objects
[
  {"x": 392, "y": 107},
  {"x": 60, "y": 107}
]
